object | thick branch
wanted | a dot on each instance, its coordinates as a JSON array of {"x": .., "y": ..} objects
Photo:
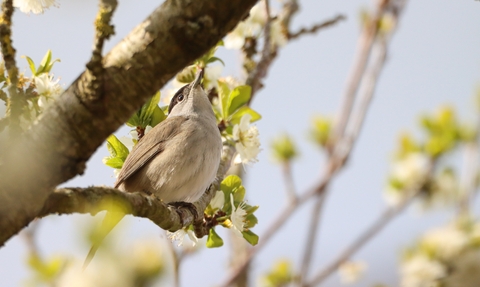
[
  {"x": 97, "y": 198},
  {"x": 60, "y": 142}
]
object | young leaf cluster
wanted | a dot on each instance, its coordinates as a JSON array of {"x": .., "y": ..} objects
[{"x": 233, "y": 192}]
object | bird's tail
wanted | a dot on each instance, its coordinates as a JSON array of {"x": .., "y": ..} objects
[{"x": 109, "y": 222}]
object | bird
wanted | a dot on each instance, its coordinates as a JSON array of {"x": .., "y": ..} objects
[{"x": 177, "y": 160}]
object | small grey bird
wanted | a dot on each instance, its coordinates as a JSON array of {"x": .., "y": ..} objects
[{"x": 178, "y": 159}]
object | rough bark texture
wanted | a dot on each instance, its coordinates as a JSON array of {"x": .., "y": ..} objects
[
  {"x": 95, "y": 199},
  {"x": 58, "y": 145}
]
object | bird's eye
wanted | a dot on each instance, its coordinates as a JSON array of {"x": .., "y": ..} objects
[{"x": 180, "y": 98}]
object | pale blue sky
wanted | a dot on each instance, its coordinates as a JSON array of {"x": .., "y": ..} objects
[{"x": 434, "y": 60}]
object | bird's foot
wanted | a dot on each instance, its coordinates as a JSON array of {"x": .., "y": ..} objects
[{"x": 188, "y": 205}]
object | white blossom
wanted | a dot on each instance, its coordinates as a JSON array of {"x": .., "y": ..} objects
[
  {"x": 34, "y": 6},
  {"x": 421, "y": 271},
  {"x": 447, "y": 256},
  {"x": 246, "y": 140},
  {"x": 180, "y": 234},
  {"x": 409, "y": 171},
  {"x": 218, "y": 200},
  {"x": 393, "y": 196},
  {"x": 351, "y": 271},
  {"x": 412, "y": 169},
  {"x": 251, "y": 27},
  {"x": 446, "y": 242},
  {"x": 47, "y": 89},
  {"x": 104, "y": 271},
  {"x": 212, "y": 74},
  {"x": 128, "y": 141},
  {"x": 147, "y": 257},
  {"x": 238, "y": 217},
  {"x": 466, "y": 270},
  {"x": 277, "y": 36},
  {"x": 445, "y": 191},
  {"x": 231, "y": 82}
]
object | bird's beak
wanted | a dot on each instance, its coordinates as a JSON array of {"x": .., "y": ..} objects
[{"x": 198, "y": 79}]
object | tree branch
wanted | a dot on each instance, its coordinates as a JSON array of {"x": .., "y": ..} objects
[
  {"x": 58, "y": 144},
  {"x": 315, "y": 28},
  {"x": 97, "y": 198},
  {"x": 103, "y": 31},
  {"x": 364, "y": 47},
  {"x": 369, "y": 233},
  {"x": 15, "y": 101},
  {"x": 338, "y": 156}
]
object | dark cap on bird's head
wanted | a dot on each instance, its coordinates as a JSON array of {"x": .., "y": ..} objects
[{"x": 185, "y": 91}]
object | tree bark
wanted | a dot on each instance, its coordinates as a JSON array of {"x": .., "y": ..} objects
[{"x": 56, "y": 147}]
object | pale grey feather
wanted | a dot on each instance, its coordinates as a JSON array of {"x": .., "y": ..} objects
[{"x": 178, "y": 159}]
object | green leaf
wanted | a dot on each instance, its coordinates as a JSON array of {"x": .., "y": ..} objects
[
  {"x": 251, "y": 237},
  {"x": 214, "y": 59},
  {"x": 46, "y": 271},
  {"x": 214, "y": 240},
  {"x": 149, "y": 108},
  {"x": 230, "y": 185},
  {"x": 237, "y": 116},
  {"x": 50, "y": 66},
  {"x": 45, "y": 62},
  {"x": 143, "y": 117},
  {"x": 239, "y": 194},
  {"x": 117, "y": 148},
  {"x": 133, "y": 121},
  {"x": 281, "y": 275},
  {"x": 157, "y": 117},
  {"x": 284, "y": 149},
  {"x": 223, "y": 94},
  {"x": 31, "y": 64},
  {"x": 114, "y": 162},
  {"x": 238, "y": 97},
  {"x": 251, "y": 209},
  {"x": 251, "y": 221},
  {"x": 321, "y": 130}
]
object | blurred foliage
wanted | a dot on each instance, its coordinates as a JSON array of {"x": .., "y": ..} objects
[
  {"x": 321, "y": 129},
  {"x": 284, "y": 149},
  {"x": 280, "y": 275}
]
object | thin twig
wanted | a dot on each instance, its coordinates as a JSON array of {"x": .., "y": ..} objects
[
  {"x": 312, "y": 231},
  {"x": 364, "y": 47},
  {"x": 470, "y": 174},
  {"x": 354, "y": 121},
  {"x": 369, "y": 84},
  {"x": 29, "y": 236},
  {"x": 369, "y": 80},
  {"x": 369, "y": 233},
  {"x": 176, "y": 264},
  {"x": 103, "y": 31},
  {"x": 338, "y": 157},
  {"x": 16, "y": 100},
  {"x": 288, "y": 180},
  {"x": 254, "y": 79},
  {"x": 315, "y": 28},
  {"x": 280, "y": 220}
]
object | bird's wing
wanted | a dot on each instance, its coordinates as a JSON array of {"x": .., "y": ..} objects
[{"x": 149, "y": 146}]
